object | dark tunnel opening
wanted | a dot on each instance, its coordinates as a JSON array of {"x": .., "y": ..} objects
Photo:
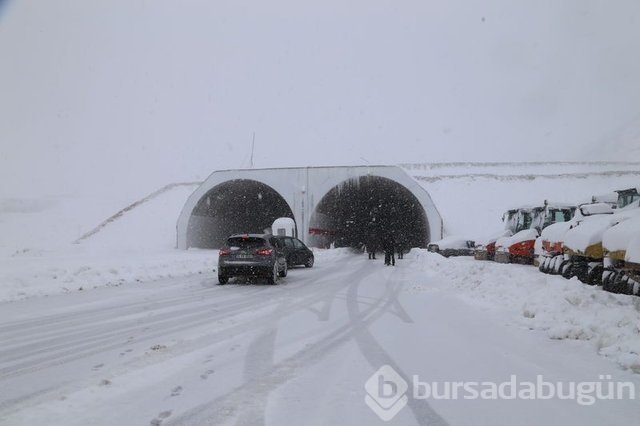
[
  {"x": 234, "y": 207},
  {"x": 362, "y": 210}
]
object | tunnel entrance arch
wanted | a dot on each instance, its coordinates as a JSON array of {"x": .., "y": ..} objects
[
  {"x": 360, "y": 210},
  {"x": 296, "y": 192},
  {"x": 233, "y": 207}
]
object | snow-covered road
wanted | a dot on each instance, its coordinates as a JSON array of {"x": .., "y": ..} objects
[{"x": 185, "y": 351}]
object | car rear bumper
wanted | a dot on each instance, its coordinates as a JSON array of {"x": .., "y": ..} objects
[{"x": 245, "y": 269}]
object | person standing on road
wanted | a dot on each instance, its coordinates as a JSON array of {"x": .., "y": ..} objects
[
  {"x": 389, "y": 250},
  {"x": 400, "y": 246},
  {"x": 372, "y": 240},
  {"x": 371, "y": 248}
]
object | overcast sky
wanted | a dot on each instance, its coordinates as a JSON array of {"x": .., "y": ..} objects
[{"x": 133, "y": 94}]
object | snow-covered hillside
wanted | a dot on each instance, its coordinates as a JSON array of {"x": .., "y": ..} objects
[
  {"x": 48, "y": 246},
  {"x": 624, "y": 144},
  {"x": 473, "y": 196}
]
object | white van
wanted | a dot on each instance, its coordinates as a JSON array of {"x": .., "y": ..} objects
[{"x": 284, "y": 227}]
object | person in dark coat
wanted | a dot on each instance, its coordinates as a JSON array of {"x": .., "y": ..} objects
[
  {"x": 371, "y": 248},
  {"x": 400, "y": 246},
  {"x": 372, "y": 243},
  {"x": 388, "y": 246}
]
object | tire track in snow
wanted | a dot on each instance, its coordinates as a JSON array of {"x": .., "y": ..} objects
[
  {"x": 89, "y": 330},
  {"x": 258, "y": 362},
  {"x": 260, "y": 356},
  {"x": 376, "y": 355},
  {"x": 105, "y": 332},
  {"x": 225, "y": 407},
  {"x": 57, "y": 321},
  {"x": 312, "y": 285},
  {"x": 54, "y": 332}
]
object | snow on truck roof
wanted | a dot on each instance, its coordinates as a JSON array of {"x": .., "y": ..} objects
[
  {"x": 635, "y": 190},
  {"x": 551, "y": 205},
  {"x": 610, "y": 197},
  {"x": 633, "y": 250},
  {"x": 619, "y": 236}
]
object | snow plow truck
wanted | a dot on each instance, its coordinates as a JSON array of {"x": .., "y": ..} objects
[
  {"x": 621, "y": 248},
  {"x": 487, "y": 249},
  {"x": 552, "y": 248},
  {"x": 531, "y": 221},
  {"x": 585, "y": 248}
]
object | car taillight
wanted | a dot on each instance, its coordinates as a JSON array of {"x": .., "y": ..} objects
[
  {"x": 224, "y": 252},
  {"x": 265, "y": 252}
]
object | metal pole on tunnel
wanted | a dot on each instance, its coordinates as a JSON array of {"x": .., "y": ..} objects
[{"x": 253, "y": 142}]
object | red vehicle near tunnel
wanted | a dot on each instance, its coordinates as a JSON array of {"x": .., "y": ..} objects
[{"x": 519, "y": 248}]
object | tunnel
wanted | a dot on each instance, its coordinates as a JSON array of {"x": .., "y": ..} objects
[
  {"x": 234, "y": 207},
  {"x": 363, "y": 210}
]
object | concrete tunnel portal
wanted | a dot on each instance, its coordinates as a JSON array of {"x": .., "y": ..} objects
[
  {"x": 234, "y": 207},
  {"x": 362, "y": 210},
  {"x": 331, "y": 206}
]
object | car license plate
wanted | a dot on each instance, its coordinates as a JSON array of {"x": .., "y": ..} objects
[{"x": 244, "y": 256}]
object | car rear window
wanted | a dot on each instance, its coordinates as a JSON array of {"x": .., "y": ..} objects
[{"x": 243, "y": 243}]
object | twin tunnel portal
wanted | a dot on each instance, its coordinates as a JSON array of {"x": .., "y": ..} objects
[{"x": 339, "y": 206}]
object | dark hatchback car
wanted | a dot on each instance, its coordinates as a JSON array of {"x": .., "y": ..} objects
[
  {"x": 253, "y": 255},
  {"x": 295, "y": 251}
]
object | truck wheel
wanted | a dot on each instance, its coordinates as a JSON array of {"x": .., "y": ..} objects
[
  {"x": 595, "y": 275},
  {"x": 544, "y": 265},
  {"x": 222, "y": 279},
  {"x": 566, "y": 269}
]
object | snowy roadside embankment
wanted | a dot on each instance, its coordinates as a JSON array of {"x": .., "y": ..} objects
[
  {"x": 39, "y": 273},
  {"x": 38, "y": 256},
  {"x": 563, "y": 309}
]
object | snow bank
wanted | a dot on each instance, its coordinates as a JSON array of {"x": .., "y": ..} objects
[
  {"x": 39, "y": 273},
  {"x": 452, "y": 242},
  {"x": 562, "y": 309},
  {"x": 38, "y": 256}
]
